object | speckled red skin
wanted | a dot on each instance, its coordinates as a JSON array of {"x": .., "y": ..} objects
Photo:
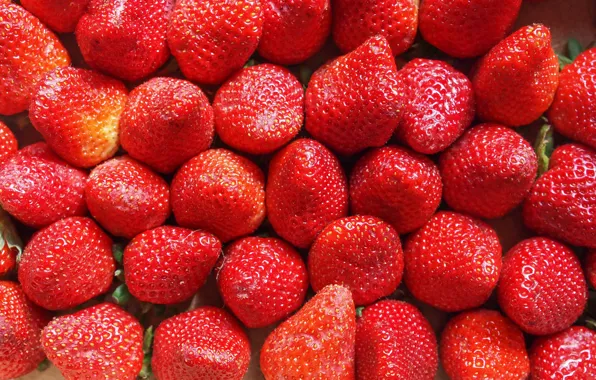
[
  {"x": 590, "y": 268},
  {"x": 38, "y": 188},
  {"x": 182, "y": 342},
  {"x": 542, "y": 286},
  {"x": 562, "y": 203},
  {"x": 453, "y": 262},
  {"x": 8, "y": 142},
  {"x": 75, "y": 251},
  {"x": 262, "y": 280},
  {"x": 212, "y": 39},
  {"x": 126, "y": 197},
  {"x": 100, "y": 342},
  {"x": 488, "y": 172},
  {"x": 260, "y": 109},
  {"x": 515, "y": 82},
  {"x": 483, "y": 344},
  {"x": 166, "y": 122},
  {"x": 395, "y": 341},
  {"x": 353, "y": 102},
  {"x": 306, "y": 190},
  {"x": 21, "y": 42},
  {"x": 61, "y": 16}
]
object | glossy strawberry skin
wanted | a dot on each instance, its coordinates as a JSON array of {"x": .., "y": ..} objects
[
  {"x": 591, "y": 268},
  {"x": 8, "y": 142},
  {"x": 61, "y": 16}
]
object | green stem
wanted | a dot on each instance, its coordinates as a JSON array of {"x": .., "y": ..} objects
[
  {"x": 359, "y": 311},
  {"x": 121, "y": 295},
  {"x": 544, "y": 148},
  {"x": 147, "y": 350},
  {"x": 118, "y": 252}
]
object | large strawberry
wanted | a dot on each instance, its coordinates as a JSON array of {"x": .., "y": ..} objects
[
  {"x": 8, "y": 143},
  {"x": 10, "y": 244},
  {"x": 60, "y": 15}
]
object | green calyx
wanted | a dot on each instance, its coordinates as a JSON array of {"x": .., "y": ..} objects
[
  {"x": 45, "y": 364},
  {"x": 359, "y": 311},
  {"x": 118, "y": 252},
  {"x": 147, "y": 351},
  {"x": 544, "y": 148},
  {"x": 121, "y": 295},
  {"x": 574, "y": 48}
]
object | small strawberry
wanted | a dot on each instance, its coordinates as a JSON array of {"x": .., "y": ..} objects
[
  {"x": 259, "y": 109},
  {"x": 319, "y": 339},
  {"x": 306, "y": 190},
  {"x": 60, "y": 15},
  {"x": 8, "y": 142},
  {"x": 10, "y": 244},
  {"x": 591, "y": 268}
]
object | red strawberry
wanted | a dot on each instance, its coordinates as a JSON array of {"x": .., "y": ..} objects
[
  {"x": 8, "y": 143},
  {"x": 353, "y": 102},
  {"x": 488, "y": 172},
  {"x": 211, "y": 39},
  {"x": 294, "y": 30},
  {"x": 221, "y": 192},
  {"x": 206, "y": 343},
  {"x": 66, "y": 264},
  {"x": 439, "y": 105},
  {"x": 166, "y": 122},
  {"x": 453, "y": 262},
  {"x": 262, "y": 280},
  {"x": 100, "y": 342},
  {"x": 126, "y": 197},
  {"x": 397, "y": 185},
  {"x": 10, "y": 245},
  {"x": 306, "y": 190},
  {"x": 168, "y": 265},
  {"x": 77, "y": 113},
  {"x": 516, "y": 81},
  {"x": 466, "y": 29},
  {"x": 38, "y": 188},
  {"x": 22, "y": 322},
  {"x": 259, "y": 109},
  {"x": 542, "y": 286},
  {"x": 362, "y": 253},
  {"x": 318, "y": 339},
  {"x": 60, "y": 15},
  {"x": 483, "y": 344},
  {"x": 28, "y": 50},
  {"x": 591, "y": 268}
]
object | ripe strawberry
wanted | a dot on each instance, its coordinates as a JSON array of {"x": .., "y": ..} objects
[
  {"x": 206, "y": 343},
  {"x": 353, "y": 103},
  {"x": 439, "y": 105},
  {"x": 10, "y": 245},
  {"x": 212, "y": 39},
  {"x": 66, "y": 264},
  {"x": 28, "y": 50},
  {"x": 306, "y": 190},
  {"x": 295, "y": 30},
  {"x": 259, "y": 109},
  {"x": 395, "y": 341},
  {"x": 483, "y": 344},
  {"x": 488, "y": 172},
  {"x": 362, "y": 253},
  {"x": 100, "y": 342},
  {"x": 166, "y": 122},
  {"x": 542, "y": 286},
  {"x": 262, "y": 280},
  {"x": 591, "y": 268},
  {"x": 221, "y": 192},
  {"x": 168, "y": 265},
  {"x": 60, "y": 15},
  {"x": 466, "y": 29},
  {"x": 8, "y": 143},
  {"x": 38, "y": 188},
  {"x": 318, "y": 339},
  {"x": 77, "y": 113},
  {"x": 515, "y": 82},
  {"x": 453, "y": 262}
]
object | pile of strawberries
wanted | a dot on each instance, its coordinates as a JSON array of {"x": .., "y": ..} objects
[{"x": 192, "y": 142}]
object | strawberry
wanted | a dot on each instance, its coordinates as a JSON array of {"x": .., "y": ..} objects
[
  {"x": 259, "y": 109},
  {"x": 262, "y": 280},
  {"x": 38, "y": 188},
  {"x": 60, "y": 15},
  {"x": 542, "y": 286},
  {"x": 515, "y": 82},
  {"x": 66, "y": 264},
  {"x": 319, "y": 339},
  {"x": 591, "y": 268},
  {"x": 353, "y": 102},
  {"x": 8, "y": 143},
  {"x": 395, "y": 341},
  {"x": 10, "y": 244},
  {"x": 221, "y": 192},
  {"x": 439, "y": 105},
  {"x": 206, "y": 343},
  {"x": 77, "y": 113},
  {"x": 166, "y": 122},
  {"x": 126, "y": 197},
  {"x": 100, "y": 342},
  {"x": 306, "y": 190},
  {"x": 483, "y": 344},
  {"x": 362, "y": 253},
  {"x": 466, "y": 29},
  {"x": 212, "y": 39},
  {"x": 295, "y": 30},
  {"x": 453, "y": 262},
  {"x": 23, "y": 38},
  {"x": 488, "y": 172}
]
